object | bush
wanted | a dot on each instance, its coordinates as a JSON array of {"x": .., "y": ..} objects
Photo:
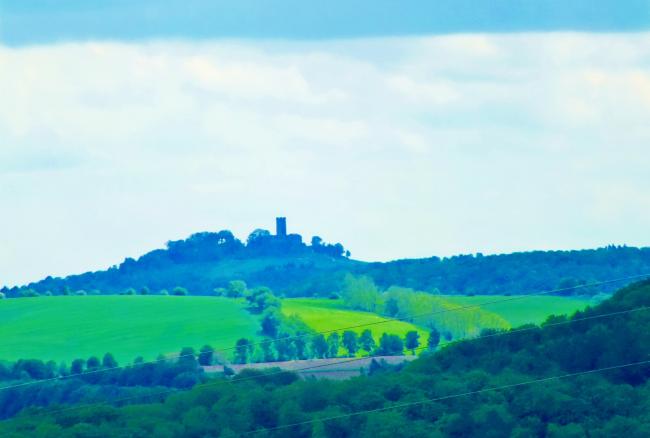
[{"x": 179, "y": 291}]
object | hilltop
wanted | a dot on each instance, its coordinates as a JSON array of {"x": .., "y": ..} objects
[{"x": 208, "y": 260}]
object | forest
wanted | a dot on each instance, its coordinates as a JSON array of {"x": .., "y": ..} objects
[
  {"x": 577, "y": 376},
  {"x": 208, "y": 260}
]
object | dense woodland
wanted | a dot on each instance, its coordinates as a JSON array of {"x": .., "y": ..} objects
[
  {"x": 206, "y": 261},
  {"x": 604, "y": 404}
]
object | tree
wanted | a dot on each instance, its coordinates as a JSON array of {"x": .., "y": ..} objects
[
  {"x": 351, "y": 342},
  {"x": 333, "y": 343},
  {"x": 285, "y": 347},
  {"x": 434, "y": 339},
  {"x": 219, "y": 292},
  {"x": 243, "y": 349},
  {"x": 271, "y": 323},
  {"x": 93, "y": 363},
  {"x": 257, "y": 234},
  {"x": 236, "y": 289},
  {"x": 28, "y": 293},
  {"x": 129, "y": 291},
  {"x": 316, "y": 241},
  {"x": 268, "y": 351},
  {"x": 2, "y": 296},
  {"x": 145, "y": 291},
  {"x": 319, "y": 346},
  {"x": 391, "y": 307},
  {"x": 163, "y": 292},
  {"x": 206, "y": 355},
  {"x": 77, "y": 366},
  {"x": 366, "y": 341},
  {"x": 179, "y": 291},
  {"x": 108, "y": 361},
  {"x": 390, "y": 345},
  {"x": 412, "y": 340},
  {"x": 360, "y": 293}
]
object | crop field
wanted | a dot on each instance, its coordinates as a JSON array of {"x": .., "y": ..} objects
[
  {"x": 67, "y": 327},
  {"x": 323, "y": 315},
  {"x": 520, "y": 309}
]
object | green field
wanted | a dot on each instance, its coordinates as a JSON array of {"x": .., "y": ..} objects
[
  {"x": 323, "y": 315},
  {"x": 522, "y": 310},
  {"x": 68, "y": 327}
]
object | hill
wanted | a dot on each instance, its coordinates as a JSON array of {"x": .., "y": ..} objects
[
  {"x": 323, "y": 315},
  {"x": 66, "y": 328},
  {"x": 206, "y": 261},
  {"x": 540, "y": 382}
]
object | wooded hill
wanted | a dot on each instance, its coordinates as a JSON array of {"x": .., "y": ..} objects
[
  {"x": 502, "y": 384},
  {"x": 205, "y": 261}
]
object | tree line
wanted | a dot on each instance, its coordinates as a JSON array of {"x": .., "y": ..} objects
[{"x": 595, "y": 405}]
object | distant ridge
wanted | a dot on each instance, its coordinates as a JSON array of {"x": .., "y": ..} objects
[{"x": 282, "y": 261}]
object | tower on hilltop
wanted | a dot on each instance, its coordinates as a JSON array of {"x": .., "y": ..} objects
[{"x": 281, "y": 226}]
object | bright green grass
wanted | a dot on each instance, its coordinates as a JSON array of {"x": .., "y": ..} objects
[
  {"x": 324, "y": 315},
  {"x": 522, "y": 310},
  {"x": 64, "y": 328}
]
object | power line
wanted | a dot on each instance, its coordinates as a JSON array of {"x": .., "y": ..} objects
[
  {"x": 224, "y": 382},
  {"x": 447, "y": 397},
  {"x": 382, "y": 321}
]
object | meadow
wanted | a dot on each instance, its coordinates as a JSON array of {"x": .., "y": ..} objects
[
  {"x": 324, "y": 315},
  {"x": 523, "y": 309},
  {"x": 63, "y": 328}
]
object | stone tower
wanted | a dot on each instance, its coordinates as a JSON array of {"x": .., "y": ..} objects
[{"x": 281, "y": 226}]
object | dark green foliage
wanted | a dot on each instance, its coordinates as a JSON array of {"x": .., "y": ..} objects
[
  {"x": 243, "y": 350},
  {"x": 236, "y": 289},
  {"x": 208, "y": 261},
  {"x": 434, "y": 339},
  {"x": 412, "y": 341},
  {"x": 333, "y": 342},
  {"x": 366, "y": 341},
  {"x": 77, "y": 366},
  {"x": 390, "y": 345},
  {"x": 179, "y": 291},
  {"x": 608, "y": 404},
  {"x": 108, "y": 361},
  {"x": 206, "y": 355},
  {"x": 319, "y": 346},
  {"x": 351, "y": 342},
  {"x": 95, "y": 382}
]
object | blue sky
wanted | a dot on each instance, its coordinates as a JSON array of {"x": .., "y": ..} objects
[
  {"x": 405, "y": 132},
  {"x": 42, "y": 21}
]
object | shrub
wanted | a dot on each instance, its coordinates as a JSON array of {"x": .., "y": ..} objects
[{"x": 179, "y": 291}]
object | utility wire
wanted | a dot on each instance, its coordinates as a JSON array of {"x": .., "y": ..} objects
[
  {"x": 374, "y": 323},
  {"x": 258, "y": 376},
  {"x": 447, "y": 397}
]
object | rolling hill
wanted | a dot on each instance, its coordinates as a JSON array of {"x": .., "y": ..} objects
[
  {"x": 206, "y": 261},
  {"x": 66, "y": 328}
]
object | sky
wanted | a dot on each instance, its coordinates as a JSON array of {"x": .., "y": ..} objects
[{"x": 430, "y": 129}]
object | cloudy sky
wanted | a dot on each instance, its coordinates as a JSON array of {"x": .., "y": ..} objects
[{"x": 122, "y": 127}]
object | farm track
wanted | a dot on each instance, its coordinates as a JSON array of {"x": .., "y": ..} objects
[{"x": 339, "y": 368}]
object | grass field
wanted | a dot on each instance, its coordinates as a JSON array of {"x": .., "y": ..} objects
[
  {"x": 323, "y": 315},
  {"x": 68, "y": 327},
  {"x": 533, "y": 309}
]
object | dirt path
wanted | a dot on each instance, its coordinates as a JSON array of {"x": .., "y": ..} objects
[{"x": 336, "y": 368}]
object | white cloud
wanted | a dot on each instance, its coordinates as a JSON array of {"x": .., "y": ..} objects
[{"x": 461, "y": 143}]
